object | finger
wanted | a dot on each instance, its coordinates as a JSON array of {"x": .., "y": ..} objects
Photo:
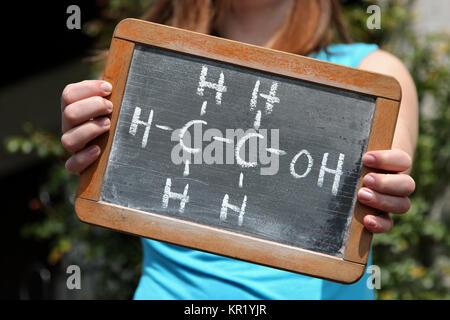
[
  {"x": 84, "y": 89},
  {"x": 390, "y": 160},
  {"x": 83, "y": 110},
  {"x": 401, "y": 185},
  {"x": 383, "y": 202},
  {"x": 378, "y": 224},
  {"x": 81, "y": 160},
  {"x": 76, "y": 138}
]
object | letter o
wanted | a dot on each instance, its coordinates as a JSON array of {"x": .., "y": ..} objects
[{"x": 294, "y": 161}]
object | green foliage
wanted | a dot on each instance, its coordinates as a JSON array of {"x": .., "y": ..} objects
[
  {"x": 43, "y": 143},
  {"x": 114, "y": 258},
  {"x": 395, "y": 20},
  {"x": 110, "y": 14},
  {"x": 413, "y": 257}
]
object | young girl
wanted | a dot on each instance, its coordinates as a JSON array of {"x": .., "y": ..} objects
[{"x": 303, "y": 27}]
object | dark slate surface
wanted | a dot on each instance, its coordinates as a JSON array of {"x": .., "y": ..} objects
[{"x": 279, "y": 207}]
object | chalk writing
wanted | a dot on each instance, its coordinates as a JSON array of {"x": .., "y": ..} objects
[{"x": 239, "y": 153}]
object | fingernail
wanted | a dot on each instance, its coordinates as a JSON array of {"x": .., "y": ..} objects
[
  {"x": 106, "y": 87},
  {"x": 93, "y": 150},
  {"x": 371, "y": 222},
  {"x": 368, "y": 159},
  {"x": 109, "y": 105},
  {"x": 369, "y": 180},
  {"x": 104, "y": 122},
  {"x": 365, "y": 195}
]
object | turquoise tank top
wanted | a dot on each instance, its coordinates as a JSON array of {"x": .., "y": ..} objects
[{"x": 173, "y": 272}]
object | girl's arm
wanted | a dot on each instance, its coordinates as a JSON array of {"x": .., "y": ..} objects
[{"x": 389, "y": 192}]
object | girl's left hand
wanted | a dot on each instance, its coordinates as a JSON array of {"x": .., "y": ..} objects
[{"x": 386, "y": 192}]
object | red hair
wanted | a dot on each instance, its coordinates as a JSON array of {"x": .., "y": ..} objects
[{"x": 308, "y": 28}]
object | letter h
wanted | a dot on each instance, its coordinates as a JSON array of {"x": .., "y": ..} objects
[
  {"x": 168, "y": 194},
  {"x": 226, "y": 206},
  {"x": 135, "y": 122},
  {"x": 219, "y": 87}
]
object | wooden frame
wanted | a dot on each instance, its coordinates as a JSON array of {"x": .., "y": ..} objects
[{"x": 89, "y": 209}]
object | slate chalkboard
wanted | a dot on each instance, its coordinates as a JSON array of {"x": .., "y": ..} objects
[
  {"x": 238, "y": 150},
  {"x": 280, "y": 207}
]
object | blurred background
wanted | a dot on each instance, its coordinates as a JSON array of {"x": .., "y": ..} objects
[{"x": 41, "y": 235}]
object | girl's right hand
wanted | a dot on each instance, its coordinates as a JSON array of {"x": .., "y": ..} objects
[{"x": 84, "y": 117}]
